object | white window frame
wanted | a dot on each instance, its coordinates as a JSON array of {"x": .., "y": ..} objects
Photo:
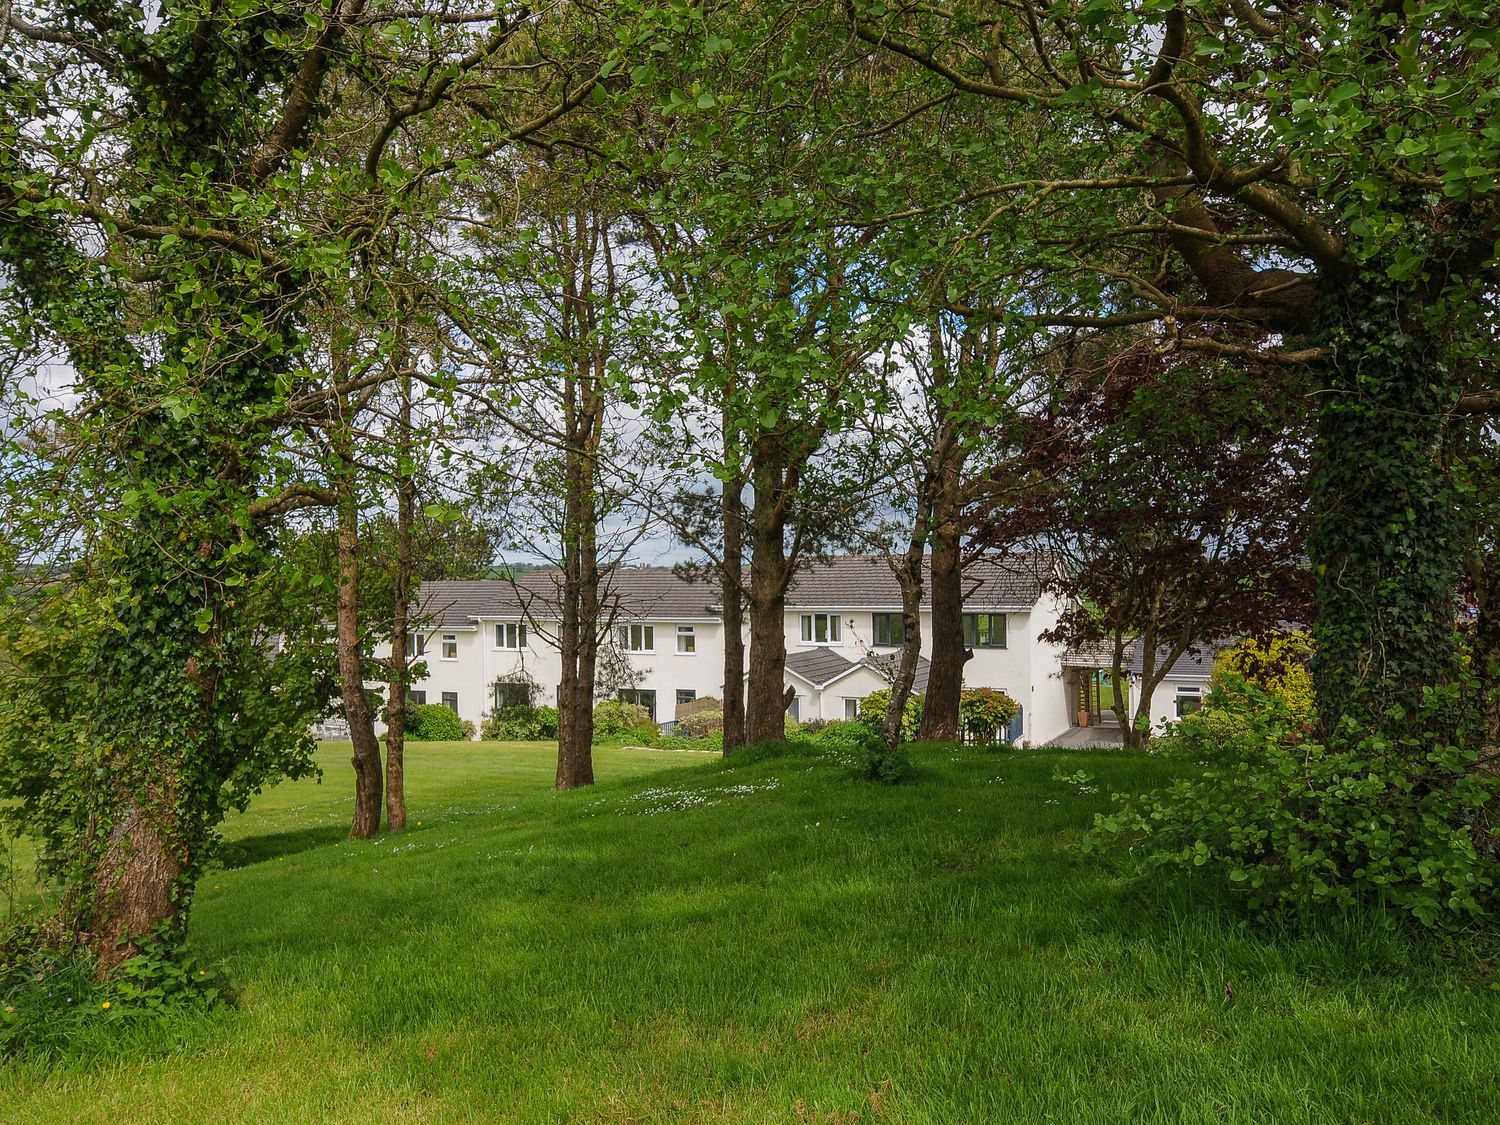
[
  {"x": 688, "y": 634},
  {"x": 636, "y": 637},
  {"x": 445, "y": 696},
  {"x": 510, "y": 630},
  {"x": 447, "y": 639},
  {"x": 851, "y": 708},
  {"x": 832, "y": 628},
  {"x": 1186, "y": 691}
]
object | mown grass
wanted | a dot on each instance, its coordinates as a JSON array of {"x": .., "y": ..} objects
[{"x": 762, "y": 942}]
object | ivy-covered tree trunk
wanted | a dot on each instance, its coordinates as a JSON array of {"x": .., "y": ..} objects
[
  {"x": 146, "y": 834},
  {"x": 1485, "y": 574},
  {"x": 1386, "y": 545}
]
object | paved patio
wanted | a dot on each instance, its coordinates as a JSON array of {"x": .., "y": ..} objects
[{"x": 1091, "y": 737}]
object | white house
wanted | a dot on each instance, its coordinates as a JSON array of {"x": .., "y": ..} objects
[{"x": 493, "y": 642}]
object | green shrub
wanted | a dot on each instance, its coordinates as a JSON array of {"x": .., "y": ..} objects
[
  {"x": 699, "y": 724},
  {"x": 432, "y": 722},
  {"x": 836, "y": 733},
  {"x": 1296, "y": 826},
  {"x": 520, "y": 724},
  {"x": 612, "y": 717},
  {"x": 876, "y": 761},
  {"x": 872, "y": 709},
  {"x": 986, "y": 713}
]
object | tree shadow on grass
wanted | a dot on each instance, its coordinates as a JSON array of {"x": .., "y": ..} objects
[{"x": 258, "y": 849}]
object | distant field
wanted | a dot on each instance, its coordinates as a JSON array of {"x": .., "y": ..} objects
[{"x": 764, "y": 942}]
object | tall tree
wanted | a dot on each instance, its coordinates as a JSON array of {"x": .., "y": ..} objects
[
  {"x": 168, "y": 201},
  {"x": 1303, "y": 186}
]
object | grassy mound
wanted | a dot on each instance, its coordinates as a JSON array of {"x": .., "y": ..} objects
[{"x": 766, "y": 941}]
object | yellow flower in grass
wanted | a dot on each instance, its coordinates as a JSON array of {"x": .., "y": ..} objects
[{"x": 105, "y": 1005}]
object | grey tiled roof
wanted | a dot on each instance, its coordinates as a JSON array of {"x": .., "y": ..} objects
[
  {"x": 817, "y": 665},
  {"x": 657, "y": 593},
  {"x": 1191, "y": 665},
  {"x": 886, "y": 664},
  {"x": 821, "y": 666},
  {"x": 866, "y": 582},
  {"x": 649, "y": 593}
]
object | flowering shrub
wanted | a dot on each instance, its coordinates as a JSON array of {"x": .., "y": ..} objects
[{"x": 986, "y": 713}]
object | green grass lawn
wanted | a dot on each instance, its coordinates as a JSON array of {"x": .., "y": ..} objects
[{"x": 767, "y": 942}]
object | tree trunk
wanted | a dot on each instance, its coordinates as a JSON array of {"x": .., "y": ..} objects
[
  {"x": 909, "y": 576},
  {"x": 583, "y": 422},
  {"x": 395, "y": 711},
  {"x": 579, "y": 642},
  {"x": 945, "y": 679},
  {"x": 357, "y": 710},
  {"x": 731, "y": 594},
  {"x": 1118, "y": 670},
  {"x": 135, "y": 891},
  {"x": 767, "y": 698},
  {"x": 1385, "y": 546}
]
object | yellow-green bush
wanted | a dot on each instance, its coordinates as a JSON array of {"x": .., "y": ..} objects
[{"x": 1277, "y": 664}]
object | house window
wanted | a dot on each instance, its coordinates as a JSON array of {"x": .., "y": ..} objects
[
  {"x": 687, "y": 638},
  {"x": 984, "y": 630},
  {"x": 416, "y": 698},
  {"x": 640, "y": 697},
  {"x": 638, "y": 638},
  {"x": 1189, "y": 699},
  {"x": 450, "y": 646},
  {"x": 416, "y": 644},
  {"x": 511, "y": 694},
  {"x": 851, "y": 708},
  {"x": 510, "y": 634},
  {"x": 889, "y": 630},
  {"x": 820, "y": 628},
  {"x": 685, "y": 696},
  {"x": 450, "y": 701}
]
